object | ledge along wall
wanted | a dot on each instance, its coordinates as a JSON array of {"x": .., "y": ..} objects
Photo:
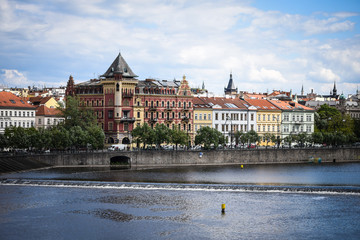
[{"x": 143, "y": 159}]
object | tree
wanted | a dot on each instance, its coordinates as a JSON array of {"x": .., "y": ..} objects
[
  {"x": 301, "y": 139},
  {"x": 268, "y": 138},
  {"x": 237, "y": 136},
  {"x": 96, "y": 137},
  {"x": 253, "y": 136},
  {"x": 208, "y": 137},
  {"x": 76, "y": 115},
  {"x": 289, "y": 139},
  {"x": 143, "y": 134},
  {"x": 162, "y": 134},
  {"x": 179, "y": 137},
  {"x": 317, "y": 137}
]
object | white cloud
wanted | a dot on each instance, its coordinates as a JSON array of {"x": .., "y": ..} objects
[
  {"x": 13, "y": 77},
  {"x": 323, "y": 75}
]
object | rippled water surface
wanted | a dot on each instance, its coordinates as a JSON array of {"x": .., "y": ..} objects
[{"x": 262, "y": 202}]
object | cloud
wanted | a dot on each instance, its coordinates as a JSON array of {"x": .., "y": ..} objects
[
  {"x": 13, "y": 77},
  {"x": 323, "y": 75}
]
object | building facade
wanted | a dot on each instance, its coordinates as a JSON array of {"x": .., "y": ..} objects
[
  {"x": 296, "y": 118},
  {"x": 14, "y": 111},
  {"x": 268, "y": 119},
  {"x": 121, "y": 101}
]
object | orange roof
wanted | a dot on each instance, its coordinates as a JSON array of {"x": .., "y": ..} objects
[
  {"x": 290, "y": 105},
  {"x": 262, "y": 104},
  {"x": 9, "y": 100},
  {"x": 45, "y": 111},
  {"x": 39, "y": 100},
  {"x": 254, "y": 96}
]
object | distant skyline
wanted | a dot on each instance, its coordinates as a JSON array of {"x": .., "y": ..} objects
[{"x": 267, "y": 45}]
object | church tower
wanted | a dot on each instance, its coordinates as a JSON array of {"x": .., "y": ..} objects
[{"x": 230, "y": 89}]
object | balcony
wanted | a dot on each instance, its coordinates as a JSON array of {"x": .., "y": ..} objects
[
  {"x": 153, "y": 120},
  {"x": 185, "y": 119},
  {"x": 127, "y": 95},
  {"x": 152, "y": 108},
  {"x": 127, "y": 119},
  {"x": 168, "y": 109},
  {"x": 185, "y": 109},
  {"x": 169, "y": 120}
]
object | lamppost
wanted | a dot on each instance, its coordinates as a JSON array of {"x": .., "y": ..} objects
[{"x": 228, "y": 118}]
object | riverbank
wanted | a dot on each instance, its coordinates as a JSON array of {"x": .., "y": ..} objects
[{"x": 154, "y": 158}]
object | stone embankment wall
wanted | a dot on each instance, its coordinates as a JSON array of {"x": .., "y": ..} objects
[{"x": 140, "y": 159}]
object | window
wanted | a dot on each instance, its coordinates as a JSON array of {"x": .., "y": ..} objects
[
  {"x": 200, "y": 116},
  {"x": 268, "y": 117},
  {"x": 252, "y": 117},
  {"x": 179, "y": 105},
  {"x": 162, "y": 104},
  {"x": 268, "y": 128},
  {"x": 48, "y": 121},
  {"x": 286, "y": 117},
  {"x": 209, "y": 116},
  {"x": 204, "y": 116},
  {"x": 126, "y": 126},
  {"x": 110, "y": 126},
  {"x": 264, "y": 117},
  {"x": 263, "y": 128},
  {"x": 308, "y": 118},
  {"x": 222, "y": 127},
  {"x": 259, "y": 128},
  {"x": 308, "y": 128},
  {"x": 222, "y": 116},
  {"x": 138, "y": 114},
  {"x": 39, "y": 121},
  {"x": 259, "y": 117},
  {"x": 10, "y": 113},
  {"x": 216, "y": 126},
  {"x": 216, "y": 116},
  {"x": 162, "y": 114},
  {"x": 110, "y": 114}
]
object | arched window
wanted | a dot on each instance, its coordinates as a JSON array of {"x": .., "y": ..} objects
[{"x": 179, "y": 104}]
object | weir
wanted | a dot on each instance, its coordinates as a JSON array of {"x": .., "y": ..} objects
[{"x": 155, "y": 158}]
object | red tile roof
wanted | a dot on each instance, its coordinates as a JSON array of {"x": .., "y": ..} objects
[
  {"x": 39, "y": 100},
  {"x": 9, "y": 100},
  {"x": 262, "y": 104},
  {"x": 45, "y": 111},
  {"x": 290, "y": 105}
]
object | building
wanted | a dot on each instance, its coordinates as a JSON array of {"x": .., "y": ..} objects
[
  {"x": 49, "y": 102},
  {"x": 231, "y": 114},
  {"x": 268, "y": 119},
  {"x": 296, "y": 118},
  {"x": 121, "y": 101},
  {"x": 203, "y": 114},
  {"x": 14, "y": 111},
  {"x": 47, "y": 117}
]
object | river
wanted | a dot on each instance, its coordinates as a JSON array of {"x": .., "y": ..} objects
[{"x": 295, "y": 201}]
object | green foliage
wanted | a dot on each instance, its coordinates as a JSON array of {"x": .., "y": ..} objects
[
  {"x": 237, "y": 136},
  {"x": 162, "y": 134},
  {"x": 269, "y": 137},
  {"x": 208, "y": 137},
  {"x": 329, "y": 119},
  {"x": 78, "y": 131},
  {"x": 252, "y": 136},
  {"x": 179, "y": 137},
  {"x": 317, "y": 137}
]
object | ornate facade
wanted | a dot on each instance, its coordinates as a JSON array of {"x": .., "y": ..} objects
[{"x": 121, "y": 101}]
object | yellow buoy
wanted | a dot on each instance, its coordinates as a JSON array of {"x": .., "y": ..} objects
[
  {"x": 223, "y": 208},
  {"x": 242, "y": 166}
]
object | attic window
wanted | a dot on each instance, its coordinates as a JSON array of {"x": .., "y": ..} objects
[
  {"x": 125, "y": 69},
  {"x": 12, "y": 101},
  {"x": 22, "y": 101}
]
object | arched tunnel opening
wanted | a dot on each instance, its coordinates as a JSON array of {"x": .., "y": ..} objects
[{"x": 120, "y": 162}]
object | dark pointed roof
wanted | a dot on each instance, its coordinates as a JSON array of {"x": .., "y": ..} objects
[
  {"x": 119, "y": 66},
  {"x": 230, "y": 87}
]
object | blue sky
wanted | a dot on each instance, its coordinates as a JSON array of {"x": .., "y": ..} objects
[{"x": 266, "y": 44}]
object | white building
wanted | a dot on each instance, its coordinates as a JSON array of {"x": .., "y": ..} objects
[
  {"x": 296, "y": 118},
  {"x": 14, "y": 111},
  {"x": 231, "y": 115}
]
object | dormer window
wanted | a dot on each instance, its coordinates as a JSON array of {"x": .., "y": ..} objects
[{"x": 125, "y": 69}]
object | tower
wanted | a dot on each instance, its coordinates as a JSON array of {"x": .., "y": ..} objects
[
  {"x": 334, "y": 90},
  {"x": 230, "y": 89}
]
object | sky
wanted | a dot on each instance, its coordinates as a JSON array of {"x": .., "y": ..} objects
[{"x": 266, "y": 44}]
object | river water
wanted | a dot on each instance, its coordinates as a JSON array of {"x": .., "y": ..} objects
[{"x": 299, "y": 201}]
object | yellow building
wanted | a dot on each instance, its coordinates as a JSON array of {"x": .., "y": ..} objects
[
  {"x": 203, "y": 114},
  {"x": 268, "y": 120},
  {"x": 48, "y": 102}
]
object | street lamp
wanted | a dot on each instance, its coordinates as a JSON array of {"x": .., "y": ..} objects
[{"x": 228, "y": 118}]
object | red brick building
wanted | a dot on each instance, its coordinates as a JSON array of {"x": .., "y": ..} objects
[{"x": 121, "y": 102}]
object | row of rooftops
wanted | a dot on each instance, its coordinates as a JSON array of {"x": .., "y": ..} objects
[
  {"x": 9, "y": 100},
  {"x": 246, "y": 104}
]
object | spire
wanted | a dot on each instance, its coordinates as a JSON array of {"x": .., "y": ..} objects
[
  {"x": 119, "y": 66},
  {"x": 302, "y": 90},
  {"x": 230, "y": 87},
  {"x": 334, "y": 89},
  {"x": 203, "y": 86}
]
